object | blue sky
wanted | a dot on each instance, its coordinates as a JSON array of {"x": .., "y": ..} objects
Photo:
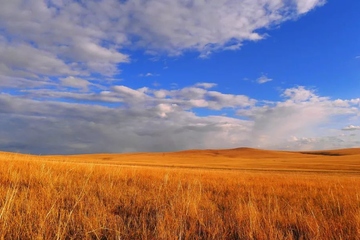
[{"x": 161, "y": 75}]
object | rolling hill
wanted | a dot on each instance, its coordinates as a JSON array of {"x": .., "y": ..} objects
[{"x": 340, "y": 160}]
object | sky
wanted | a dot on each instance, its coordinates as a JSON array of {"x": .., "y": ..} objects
[{"x": 93, "y": 76}]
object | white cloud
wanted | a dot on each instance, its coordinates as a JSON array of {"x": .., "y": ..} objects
[
  {"x": 164, "y": 109},
  {"x": 75, "y": 82},
  {"x": 130, "y": 95},
  {"x": 324, "y": 142},
  {"x": 23, "y": 60},
  {"x": 62, "y": 38},
  {"x": 205, "y": 85},
  {"x": 198, "y": 103},
  {"x": 304, "y": 6},
  {"x": 160, "y": 93},
  {"x": 355, "y": 101},
  {"x": 148, "y": 74},
  {"x": 46, "y": 42},
  {"x": 218, "y": 100},
  {"x": 263, "y": 79},
  {"x": 340, "y": 103},
  {"x": 23, "y": 83},
  {"x": 164, "y": 120},
  {"x": 55, "y": 127},
  {"x": 351, "y": 128},
  {"x": 302, "y": 114},
  {"x": 300, "y": 94}
]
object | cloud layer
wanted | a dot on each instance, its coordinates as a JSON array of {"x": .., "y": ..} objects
[
  {"x": 61, "y": 38},
  {"x": 125, "y": 119},
  {"x": 59, "y": 58}
]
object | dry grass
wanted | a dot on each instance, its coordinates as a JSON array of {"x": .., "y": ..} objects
[
  {"x": 44, "y": 198},
  {"x": 345, "y": 161}
]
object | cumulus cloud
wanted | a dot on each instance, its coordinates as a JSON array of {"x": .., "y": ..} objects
[
  {"x": 263, "y": 79},
  {"x": 48, "y": 47},
  {"x": 23, "y": 60},
  {"x": 205, "y": 85},
  {"x": 218, "y": 100},
  {"x": 148, "y": 74},
  {"x": 72, "y": 38},
  {"x": 75, "y": 82},
  {"x": 300, "y": 94},
  {"x": 324, "y": 142},
  {"x": 302, "y": 113},
  {"x": 146, "y": 119},
  {"x": 351, "y": 128},
  {"x": 304, "y": 6},
  {"x": 55, "y": 127}
]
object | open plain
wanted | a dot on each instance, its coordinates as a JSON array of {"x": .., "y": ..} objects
[{"x": 238, "y": 193}]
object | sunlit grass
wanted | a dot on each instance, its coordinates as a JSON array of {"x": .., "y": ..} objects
[{"x": 56, "y": 200}]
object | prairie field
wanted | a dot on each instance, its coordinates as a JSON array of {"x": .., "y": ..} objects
[{"x": 210, "y": 194}]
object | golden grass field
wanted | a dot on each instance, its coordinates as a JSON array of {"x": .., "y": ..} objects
[{"x": 212, "y": 194}]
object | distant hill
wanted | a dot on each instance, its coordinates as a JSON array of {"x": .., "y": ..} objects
[
  {"x": 241, "y": 152},
  {"x": 340, "y": 160}
]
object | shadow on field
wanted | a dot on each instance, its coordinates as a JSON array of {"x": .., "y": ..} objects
[{"x": 324, "y": 153}]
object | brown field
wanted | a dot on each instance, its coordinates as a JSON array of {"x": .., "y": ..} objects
[{"x": 213, "y": 194}]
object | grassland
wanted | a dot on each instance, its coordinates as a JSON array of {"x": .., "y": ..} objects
[{"x": 213, "y": 194}]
